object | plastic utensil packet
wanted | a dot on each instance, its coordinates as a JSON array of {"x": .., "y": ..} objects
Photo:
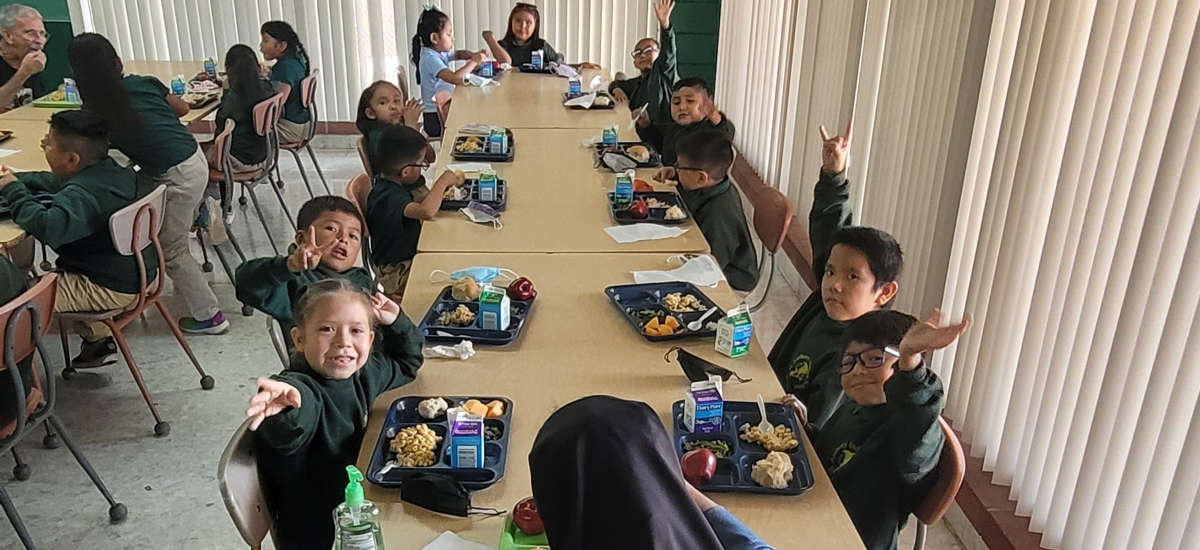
[{"x": 463, "y": 350}]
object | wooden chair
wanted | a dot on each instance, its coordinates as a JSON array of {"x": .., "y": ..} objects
[
  {"x": 308, "y": 89},
  {"x": 266, "y": 124},
  {"x": 948, "y": 478},
  {"x": 241, "y": 489},
  {"x": 25, "y": 321},
  {"x": 772, "y": 218},
  {"x": 357, "y": 190},
  {"x": 135, "y": 228}
]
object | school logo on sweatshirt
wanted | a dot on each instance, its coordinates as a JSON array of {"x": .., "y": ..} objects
[
  {"x": 842, "y": 455},
  {"x": 801, "y": 371}
]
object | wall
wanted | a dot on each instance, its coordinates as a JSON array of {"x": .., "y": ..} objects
[{"x": 57, "y": 19}]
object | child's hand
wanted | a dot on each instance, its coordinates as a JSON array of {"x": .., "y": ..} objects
[
  {"x": 619, "y": 96},
  {"x": 662, "y": 10},
  {"x": 7, "y": 176},
  {"x": 714, "y": 114},
  {"x": 450, "y": 178},
  {"x": 797, "y": 406},
  {"x": 307, "y": 254},
  {"x": 928, "y": 335},
  {"x": 479, "y": 57},
  {"x": 665, "y": 174},
  {"x": 386, "y": 309},
  {"x": 487, "y": 35},
  {"x": 273, "y": 397},
  {"x": 413, "y": 112},
  {"x": 835, "y": 150},
  {"x": 643, "y": 119}
]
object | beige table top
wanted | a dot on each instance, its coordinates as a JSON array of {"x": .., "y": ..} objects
[
  {"x": 524, "y": 100},
  {"x": 557, "y": 202},
  {"x": 26, "y": 140},
  {"x": 163, "y": 70},
  {"x": 577, "y": 344}
]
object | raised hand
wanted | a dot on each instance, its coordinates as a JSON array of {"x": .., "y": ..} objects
[
  {"x": 307, "y": 254},
  {"x": 619, "y": 95},
  {"x": 835, "y": 150},
  {"x": 413, "y": 113},
  {"x": 928, "y": 335},
  {"x": 273, "y": 397},
  {"x": 662, "y": 10},
  {"x": 714, "y": 114},
  {"x": 386, "y": 310}
]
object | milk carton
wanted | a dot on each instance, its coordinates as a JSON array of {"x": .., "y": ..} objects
[
  {"x": 703, "y": 406},
  {"x": 466, "y": 441},
  {"x": 487, "y": 185},
  {"x": 733, "y": 332},
  {"x": 574, "y": 86},
  {"x": 493, "y": 308},
  {"x": 485, "y": 69},
  {"x": 498, "y": 141},
  {"x": 535, "y": 59},
  {"x": 623, "y": 194},
  {"x": 177, "y": 85},
  {"x": 210, "y": 67},
  {"x": 609, "y": 135}
]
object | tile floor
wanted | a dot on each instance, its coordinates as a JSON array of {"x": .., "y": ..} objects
[{"x": 169, "y": 484}]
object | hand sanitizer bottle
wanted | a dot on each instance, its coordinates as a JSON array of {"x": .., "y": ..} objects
[{"x": 356, "y": 521}]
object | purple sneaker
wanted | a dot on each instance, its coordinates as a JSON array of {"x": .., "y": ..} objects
[{"x": 216, "y": 325}]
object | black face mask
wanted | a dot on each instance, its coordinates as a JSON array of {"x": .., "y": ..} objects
[
  {"x": 697, "y": 369},
  {"x": 443, "y": 494}
]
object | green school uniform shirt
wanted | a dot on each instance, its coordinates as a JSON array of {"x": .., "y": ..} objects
[
  {"x": 304, "y": 451},
  {"x": 394, "y": 236},
  {"x": 663, "y": 137},
  {"x": 522, "y": 54},
  {"x": 267, "y": 285},
  {"x": 159, "y": 141},
  {"x": 75, "y": 221},
  {"x": 718, "y": 212},
  {"x": 807, "y": 357},
  {"x": 248, "y": 147},
  {"x": 373, "y": 130},
  {"x": 290, "y": 70},
  {"x": 653, "y": 88},
  {"x": 879, "y": 457}
]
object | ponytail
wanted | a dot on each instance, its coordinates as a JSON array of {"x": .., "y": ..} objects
[
  {"x": 431, "y": 21},
  {"x": 283, "y": 32}
]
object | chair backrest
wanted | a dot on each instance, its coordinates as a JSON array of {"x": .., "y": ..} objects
[
  {"x": 241, "y": 489},
  {"x": 357, "y": 190},
  {"x": 949, "y": 475},
  {"x": 266, "y": 123},
  {"x": 136, "y": 227},
  {"x": 442, "y": 99},
  {"x": 772, "y": 217},
  {"x": 277, "y": 341},
  {"x": 21, "y": 340},
  {"x": 308, "y": 91},
  {"x": 223, "y": 147},
  {"x": 362, "y": 154}
]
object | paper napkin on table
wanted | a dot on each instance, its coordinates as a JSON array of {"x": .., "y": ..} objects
[
  {"x": 450, "y": 541},
  {"x": 642, "y": 232}
]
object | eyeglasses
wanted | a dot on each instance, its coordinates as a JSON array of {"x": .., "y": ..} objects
[
  {"x": 419, "y": 165},
  {"x": 32, "y": 34},
  {"x": 871, "y": 358},
  {"x": 644, "y": 51},
  {"x": 679, "y": 168}
]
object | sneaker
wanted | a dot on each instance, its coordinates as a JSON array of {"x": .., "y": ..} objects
[
  {"x": 96, "y": 354},
  {"x": 216, "y": 325}
]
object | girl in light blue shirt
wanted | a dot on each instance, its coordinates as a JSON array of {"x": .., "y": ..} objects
[{"x": 432, "y": 52}]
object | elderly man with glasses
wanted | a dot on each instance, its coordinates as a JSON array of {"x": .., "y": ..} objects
[
  {"x": 656, "y": 61},
  {"x": 22, "y": 37}
]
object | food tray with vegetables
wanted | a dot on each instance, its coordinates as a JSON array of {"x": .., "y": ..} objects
[
  {"x": 55, "y": 100},
  {"x": 416, "y": 439},
  {"x": 644, "y": 155},
  {"x": 662, "y": 207},
  {"x": 662, "y": 311},
  {"x": 603, "y": 102},
  {"x": 451, "y": 320},
  {"x": 529, "y": 68},
  {"x": 461, "y": 196},
  {"x": 740, "y": 447},
  {"x": 475, "y": 147}
]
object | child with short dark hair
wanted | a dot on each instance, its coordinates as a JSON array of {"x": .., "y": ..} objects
[
  {"x": 881, "y": 440},
  {"x": 399, "y": 201},
  {"x": 692, "y": 110},
  {"x": 281, "y": 44},
  {"x": 703, "y": 173},
  {"x": 86, "y": 188},
  {"x": 309, "y": 419},
  {"x": 657, "y": 63},
  {"x": 381, "y": 105},
  {"x": 858, "y": 268},
  {"x": 247, "y": 88},
  {"x": 432, "y": 52}
]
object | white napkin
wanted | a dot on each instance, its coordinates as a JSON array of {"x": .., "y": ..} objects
[
  {"x": 469, "y": 166},
  {"x": 642, "y": 232},
  {"x": 480, "y": 81},
  {"x": 7, "y": 152},
  {"x": 584, "y": 101},
  {"x": 450, "y": 541},
  {"x": 597, "y": 84},
  {"x": 564, "y": 70},
  {"x": 700, "y": 270}
]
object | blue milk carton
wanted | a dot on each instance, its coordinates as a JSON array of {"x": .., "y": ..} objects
[
  {"x": 535, "y": 59},
  {"x": 178, "y": 87},
  {"x": 733, "y": 332},
  {"x": 210, "y": 67},
  {"x": 608, "y": 136},
  {"x": 498, "y": 141},
  {"x": 703, "y": 406},
  {"x": 623, "y": 194},
  {"x": 574, "y": 87},
  {"x": 466, "y": 441},
  {"x": 494, "y": 308},
  {"x": 485, "y": 69},
  {"x": 487, "y": 185},
  {"x": 72, "y": 91}
]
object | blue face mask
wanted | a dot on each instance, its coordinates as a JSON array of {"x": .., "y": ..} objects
[{"x": 481, "y": 274}]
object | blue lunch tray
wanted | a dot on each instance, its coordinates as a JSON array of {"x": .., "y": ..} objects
[
  {"x": 733, "y": 472},
  {"x": 433, "y": 332},
  {"x": 622, "y": 146},
  {"x": 653, "y": 215},
  {"x": 473, "y": 185},
  {"x": 630, "y": 299}
]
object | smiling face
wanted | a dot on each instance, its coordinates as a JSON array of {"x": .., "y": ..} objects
[
  {"x": 523, "y": 25},
  {"x": 343, "y": 227},
  {"x": 387, "y": 105},
  {"x": 862, "y": 384},
  {"x": 337, "y": 335},
  {"x": 689, "y": 105},
  {"x": 848, "y": 285}
]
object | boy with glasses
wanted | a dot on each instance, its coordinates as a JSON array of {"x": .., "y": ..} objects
[
  {"x": 881, "y": 439},
  {"x": 399, "y": 201},
  {"x": 656, "y": 61}
]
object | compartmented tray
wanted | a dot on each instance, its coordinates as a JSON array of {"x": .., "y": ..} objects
[
  {"x": 434, "y": 332},
  {"x": 472, "y": 186},
  {"x": 529, "y": 68},
  {"x": 733, "y": 472},
  {"x": 46, "y": 102},
  {"x": 654, "y": 161},
  {"x": 653, "y": 215},
  {"x": 612, "y": 103},
  {"x": 512, "y": 538},
  {"x": 483, "y": 155},
  {"x": 403, "y": 413},
  {"x": 636, "y": 299}
]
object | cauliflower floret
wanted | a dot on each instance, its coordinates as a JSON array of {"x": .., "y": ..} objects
[
  {"x": 432, "y": 408},
  {"x": 774, "y": 472}
]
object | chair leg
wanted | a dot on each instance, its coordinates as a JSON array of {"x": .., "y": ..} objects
[
  {"x": 15, "y": 519},
  {"x": 282, "y": 203},
  {"x": 224, "y": 261},
  {"x": 45, "y": 265},
  {"x": 51, "y": 439},
  {"x": 21, "y": 469},
  {"x": 316, "y": 165},
  {"x": 919, "y": 543},
  {"x": 68, "y": 371},
  {"x": 303, "y": 176},
  {"x": 161, "y": 428},
  {"x": 263, "y": 220},
  {"x": 206, "y": 381},
  {"x": 236, "y": 247},
  {"x": 207, "y": 266},
  {"x": 116, "y": 510}
]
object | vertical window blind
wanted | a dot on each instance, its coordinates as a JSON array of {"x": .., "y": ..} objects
[
  {"x": 1039, "y": 161},
  {"x": 355, "y": 42}
]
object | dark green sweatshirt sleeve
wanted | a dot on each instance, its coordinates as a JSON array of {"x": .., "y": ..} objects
[
  {"x": 667, "y": 62},
  {"x": 914, "y": 401},
  {"x": 261, "y": 283},
  {"x": 292, "y": 429},
  {"x": 730, "y": 245},
  {"x": 71, "y": 214},
  {"x": 396, "y": 361},
  {"x": 830, "y": 212}
]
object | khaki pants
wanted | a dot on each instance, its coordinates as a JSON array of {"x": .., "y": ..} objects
[
  {"x": 185, "y": 184},
  {"x": 210, "y": 153},
  {"x": 77, "y": 293},
  {"x": 394, "y": 278},
  {"x": 291, "y": 132}
]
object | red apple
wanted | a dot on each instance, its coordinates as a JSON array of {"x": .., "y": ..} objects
[
  {"x": 525, "y": 515},
  {"x": 638, "y": 210},
  {"x": 699, "y": 466}
]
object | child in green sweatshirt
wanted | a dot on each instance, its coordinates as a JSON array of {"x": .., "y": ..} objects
[
  {"x": 858, "y": 268},
  {"x": 692, "y": 110},
  {"x": 86, "y": 187},
  {"x": 883, "y": 439},
  {"x": 309, "y": 419},
  {"x": 702, "y": 170},
  {"x": 657, "y": 63}
]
